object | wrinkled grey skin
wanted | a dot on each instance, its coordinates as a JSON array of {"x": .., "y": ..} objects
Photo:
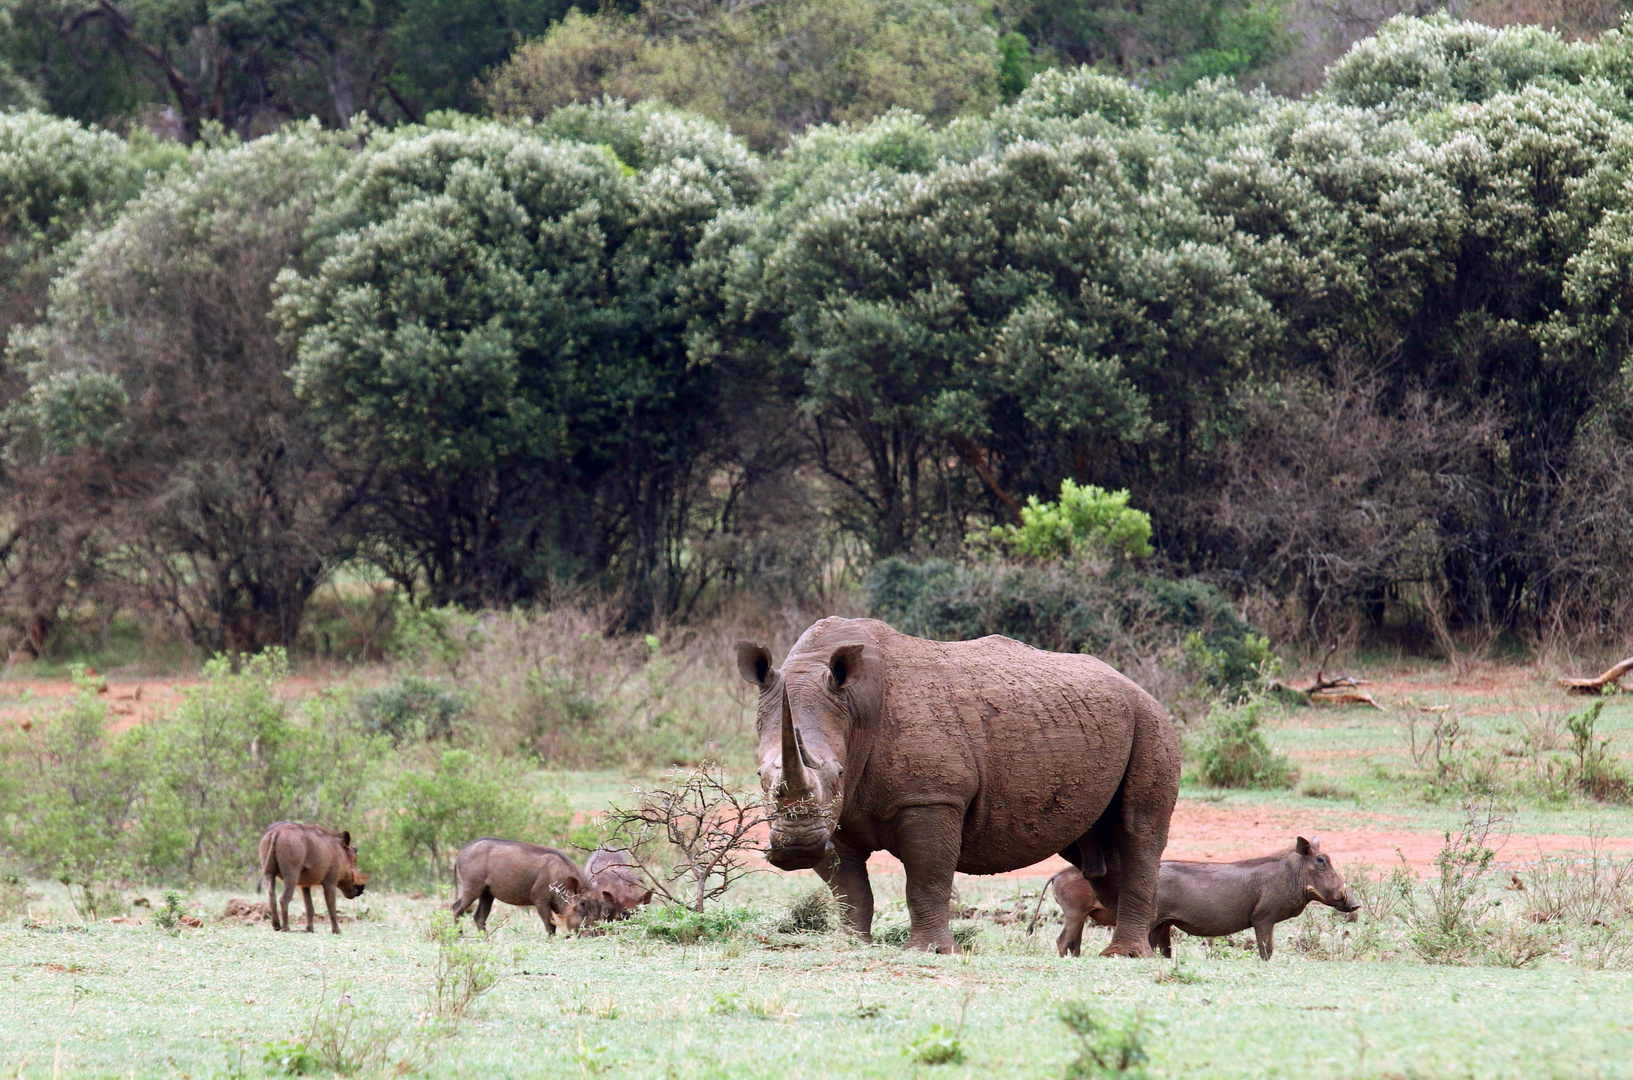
[
  {"x": 526, "y": 875},
  {"x": 304, "y": 856},
  {"x": 617, "y": 882},
  {"x": 1216, "y": 899},
  {"x": 978, "y": 757}
]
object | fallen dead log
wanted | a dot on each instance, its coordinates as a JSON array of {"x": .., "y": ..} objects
[
  {"x": 1342, "y": 690},
  {"x": 1612, "y": 677}
]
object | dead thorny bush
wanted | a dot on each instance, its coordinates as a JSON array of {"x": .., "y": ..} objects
[{"x": 694, "y": 836}]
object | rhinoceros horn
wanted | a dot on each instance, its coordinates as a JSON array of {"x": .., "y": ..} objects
[{"x": 795, "y": 785}]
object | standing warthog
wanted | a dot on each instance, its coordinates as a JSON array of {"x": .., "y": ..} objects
[
  {"x": 525, "y": 875},
  {"x": 1216, "y": 899},
  {"x": 616, "y": 881},
  {"x": 973, "y": 756},
  {"x": 308, "y": 855}
]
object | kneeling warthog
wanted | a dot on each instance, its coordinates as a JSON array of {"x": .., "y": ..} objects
[
  {"x": 1215, "y": 899},
  {"x": 617, "y": 881},
  {"x": 525, "y": 875},
  {"x": 308, "y": 855}
]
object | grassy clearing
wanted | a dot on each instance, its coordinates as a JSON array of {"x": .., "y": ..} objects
[{"x": 132, "y": 1001}]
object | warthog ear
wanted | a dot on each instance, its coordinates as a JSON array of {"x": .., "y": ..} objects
[
  {"x": 845, "y": 665},
  {"x": 346, "y": 838},
  {"x": 606, "y": 894},
  {"x": 754, "y": 663},
  {"x": 646, "y": 896},
  {"x": 573, "y": 885},
  {"x": 1302, "y": 847}
]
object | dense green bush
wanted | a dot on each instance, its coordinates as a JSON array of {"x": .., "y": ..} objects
[
  {"x": 1232, "y": 751},
  {"x": 413, "y": 709},
  {"x": 1117, "y": 614}
]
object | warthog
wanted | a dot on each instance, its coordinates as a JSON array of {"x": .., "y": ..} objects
[
  {"x": 617, "y": 882},
  {"x": 1215, "y": 899},
  {"x": 308, "y": 855},
  {"x": 525, "y": 875}
]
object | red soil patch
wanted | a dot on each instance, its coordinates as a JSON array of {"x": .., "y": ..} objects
[
  {"x": 1211, "y": 833},
  {"x": 131, "y": 701}
]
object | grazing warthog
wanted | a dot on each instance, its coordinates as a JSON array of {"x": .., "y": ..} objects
[
  {"x": 308, "y": 855},
  {"x": 1216, "y": 899},
  {"x": 525, "y": 875},
  {"x": 617, "y": 882},
  {"x": 972, "y": 756}
]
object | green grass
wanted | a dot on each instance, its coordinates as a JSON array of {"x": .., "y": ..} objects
[{"x": 132, "y": 1001}]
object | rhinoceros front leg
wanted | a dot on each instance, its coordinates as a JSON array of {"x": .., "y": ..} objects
[
  {"x": 847, "y": 877},
  {"x": 929, "y": 838}
]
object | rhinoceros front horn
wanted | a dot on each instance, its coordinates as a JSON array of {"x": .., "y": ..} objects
[{"x": 795, "y": 784}]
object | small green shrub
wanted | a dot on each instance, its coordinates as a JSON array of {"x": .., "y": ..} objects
[
  {"x": 167, "y": 917},
  {"x": 1104, "y": 1048},
  {"x": 412, "y": 710},
  {"x": 938, "y": 1046},
  {"x": 1085, "y": 520},
  {"x": 683, "y": 926},
  {"x": 464, "y": 969},
  {"x": 1445, "y": 924},
  {"x": 1594, "y": 770},
  {"x": 1232, "y": 752}
]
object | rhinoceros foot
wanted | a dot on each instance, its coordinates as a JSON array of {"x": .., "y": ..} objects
[{"x": 1134, "y": 950}]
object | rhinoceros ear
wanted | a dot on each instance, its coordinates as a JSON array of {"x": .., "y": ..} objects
[
  {"x": 1302, "y": 847},
  {"x": 754, "y": 663},
  {"x": 845, "y": 665}
]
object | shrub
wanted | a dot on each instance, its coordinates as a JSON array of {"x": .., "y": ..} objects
[
  {"x": 1122, "y": 617},
  {"x": 938, "y": 1046},
  {"x": 1085, "y": 521},
  {"x": 69, "y": 820},
  {"x": 411, "y": 710},
  {"x": 814, "y": 912},
  {"x": 231, "y": 761},
  {"x": 1447, "y": 927},
  {"x": 1233, "y": 752},
  {"x": 433, "y": 811},
  {"x": 682, "y": 925},
  {"x": 1103, "y": 1048},
  {"x": 1594, "y": 771}
]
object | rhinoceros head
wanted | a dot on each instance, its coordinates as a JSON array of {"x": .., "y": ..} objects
[{"x": 804, "y": 720}]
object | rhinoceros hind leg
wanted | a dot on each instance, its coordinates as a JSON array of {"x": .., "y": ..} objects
[
  {"x": 847, "y": 877},
  {"x": 1136, "y": 825},
  {"x": 929, "y": 838}
]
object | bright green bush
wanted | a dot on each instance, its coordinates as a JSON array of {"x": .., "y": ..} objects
[
  {"x": 1232, "y": 751},
  {"x": 1085, "y": 520}
]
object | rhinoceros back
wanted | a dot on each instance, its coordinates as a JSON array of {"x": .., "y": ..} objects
[{"x": 1032, "y": 745}]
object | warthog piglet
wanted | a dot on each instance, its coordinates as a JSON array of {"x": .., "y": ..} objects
[
  {"x": 525, "y": 875},
  {"x": 308, "y": 855},
  {"x": 616, "y": 882}
]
